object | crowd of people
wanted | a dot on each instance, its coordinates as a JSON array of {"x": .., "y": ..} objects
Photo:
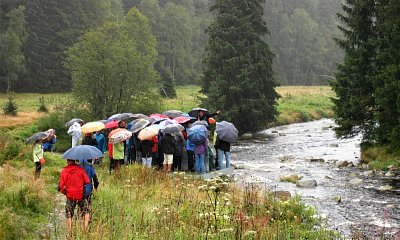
[{"x": 165, "y": 151}]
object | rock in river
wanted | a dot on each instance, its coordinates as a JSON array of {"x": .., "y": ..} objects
[{"x": 307, "y": 183}]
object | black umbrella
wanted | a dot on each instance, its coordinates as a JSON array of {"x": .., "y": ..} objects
[
  {"x": 173, "y": 128},
  {"x": 227, "y": 131},
  {"x": 120, "y": 116},
  {"x": 195, "y": 112},
  {"x": 37, "y": 136},
  {"x": 172, "y": 113},
  {"x": 139, "y": 125},
  {"x": 72, "y": 121}
]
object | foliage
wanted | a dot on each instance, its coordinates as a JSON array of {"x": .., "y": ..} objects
[
  {"x": 12, "y": 59},
  {"x": 167, "y": 83},
  {"x": 10, "y": 107},
  {"x": 379, "y": 157},
  {"x": 42, "y": 106},
  {"x": 113, "y": 66},
  {"x": 238, "y": 77},
  {"x": 366, "y": 84}
]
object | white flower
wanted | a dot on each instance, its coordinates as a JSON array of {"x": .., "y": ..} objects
[{"x": 212, "y": 188}]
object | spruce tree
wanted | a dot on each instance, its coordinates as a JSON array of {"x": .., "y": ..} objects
[
  {"x": 238, "y": 77},
  {"x": 354, "y": 84},
  {"x": 388, "y": 73}
]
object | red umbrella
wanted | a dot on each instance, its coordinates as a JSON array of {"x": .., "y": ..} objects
[
  {"x": 111, "y": 124},
  {"x": 182, "y": 119},
  {"x": 157, "y": 115}
]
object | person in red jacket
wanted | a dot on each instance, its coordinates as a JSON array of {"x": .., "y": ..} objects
[{"x": 72, "y": 181}]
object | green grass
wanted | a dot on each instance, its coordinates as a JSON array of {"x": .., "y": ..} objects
[
  {"x": 378, "y": 157},
  {"x": 30, "y": 102}
]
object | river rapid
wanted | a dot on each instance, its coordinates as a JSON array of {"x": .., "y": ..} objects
[{"x": 312, "y": 151}]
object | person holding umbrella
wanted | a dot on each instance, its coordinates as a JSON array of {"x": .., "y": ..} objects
[
  {"x": 226, "y": 133},
  {"x": 198, "y": 135},
  {"x": 75, "y": 132},
  {"x": 73, "y": 178},
  {"x": 168, "y": 148}
]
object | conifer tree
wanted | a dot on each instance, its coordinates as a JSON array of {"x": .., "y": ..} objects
[
  {"x": 388, "y": 73},
  {"x": 354, "y": 83},
  {"x": 238, "y": 77}
]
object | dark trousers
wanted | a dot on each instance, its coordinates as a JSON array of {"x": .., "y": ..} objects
[
  {"x": 38, "y": 168},
  {"x": 111, "y": 164},
  {"x": 177, "y": 163},
  {"x": 190, "y": 155},
  {"x": 216, "y": 158}
]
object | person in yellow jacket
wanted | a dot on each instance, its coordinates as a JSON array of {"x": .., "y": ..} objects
[
  {"x": 118, "y": 155},
  {"x": 37, "y": 156}
]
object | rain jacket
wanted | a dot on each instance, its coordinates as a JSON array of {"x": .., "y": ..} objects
[
  {"x": 89, "y": 140},
  {"x": 91, "y": 172},
  {"x": 155, "y": 144},
  {"x": 48, "y": 145},
  {"x": 168, "y": 144},
  {"x": 72, "y": 181},
  {"x": 223, "y": 145},
  {"x": 118, "y": 151},
  {"x": 179, "y": 144},
  {"x": 201, "y": 149},
  {"x": 146, "y": 147},
  {"x": 37, "y": 152},
  {"x": 101, "y": 142}
]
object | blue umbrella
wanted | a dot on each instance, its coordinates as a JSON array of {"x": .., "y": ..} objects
[
  {"x": 82, "y": 152},
  {"x": 197, "y": 134}
]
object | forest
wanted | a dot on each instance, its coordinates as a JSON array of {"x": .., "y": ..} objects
[{"x": 35, "y": 35}]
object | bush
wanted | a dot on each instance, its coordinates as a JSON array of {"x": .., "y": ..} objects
[
  {"x": 10, "y": 108},
  {"x": 42, "y": 106}
]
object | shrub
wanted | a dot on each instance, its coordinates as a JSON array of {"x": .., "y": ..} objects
[
  {"x": 42, "y": 106},
  {"x": 10, "y": 108}
]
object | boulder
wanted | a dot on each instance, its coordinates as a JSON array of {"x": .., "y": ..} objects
[
  {"x": 291, "y": 178},
  {"x": 341, "y": 164},
  {"x": 274, "y": 131},
  {"x": 282, "y": 134},
  {"x": 390, "y": 174},
  {"x": 386, "y": 188},
  {"x": 337, "y": 199},
  {"x": 247, "y": 136},
  {"x": 368, "y": 173},
  {"x": 334, "y": 145},
  {"x": 283, "y": 195},
  {"x": 307, "y": 183},
  {"x": 356, "y": 182},
  {"x": 317, "y": 160}
]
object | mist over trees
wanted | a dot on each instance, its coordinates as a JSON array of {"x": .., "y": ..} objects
[{"x": 301, "y": 33}]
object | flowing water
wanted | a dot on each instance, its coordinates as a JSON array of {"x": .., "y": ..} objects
[{"x": 311, "y": 151}]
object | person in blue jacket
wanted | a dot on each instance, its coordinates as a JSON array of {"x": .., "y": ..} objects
[
  {"x": 101, "y": 145},
  {"x": 94, "y": 182},
  {"x": 48, "y": 143}
]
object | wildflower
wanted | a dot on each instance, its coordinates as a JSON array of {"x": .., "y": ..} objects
[
  {"x": 182, "y": 173},
  {"x": 201, "y": 215},
  {"x": 202, "y": 187},
  {"x": 212, "y": 188},
  {"x": 226, "y": 230},
  {"x": 128, "y": 180},
  {"x": 226, "y": 217},
  {"x": 154, "y": 209},
  {"x": 227, "y": 194}
]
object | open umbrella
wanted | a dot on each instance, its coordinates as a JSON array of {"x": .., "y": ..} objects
[
  {"x": 139, "y": 125},
  {"x": 157, "y": 115},
  {"x": 120, "y": 117},
  {"x": 37, "y": 136},
  {"x": 82, "y": 152},
  {"x": 168, "y": 122},
  {"x": 173, "y": 128},
  {"x": 112, "y": 124},
  {"x": 119, "y": 136},
  {"x": 197, "y": 134},
  {"x": 138, "y": 116},
  {"x": 182, "y": 119},
  {"x": 227, "y": 131},
  {"x": 172, "y": 113},
  {"x": 149, "y": 132},
  {"x": 92, "y": 127},
  {"x": 72, "y": 121},
  {"x": 195, "y": 112},
  {"x": 103, "y": 121},
  {"x": 202, "y": 122}
]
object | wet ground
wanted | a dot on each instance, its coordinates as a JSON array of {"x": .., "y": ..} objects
[{"x": 311, "y": 151}]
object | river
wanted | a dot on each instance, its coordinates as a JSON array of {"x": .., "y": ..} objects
[{"x": 290, "y": 149}]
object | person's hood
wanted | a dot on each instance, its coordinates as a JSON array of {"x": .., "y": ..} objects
[{"x": 71, "y": 169}]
